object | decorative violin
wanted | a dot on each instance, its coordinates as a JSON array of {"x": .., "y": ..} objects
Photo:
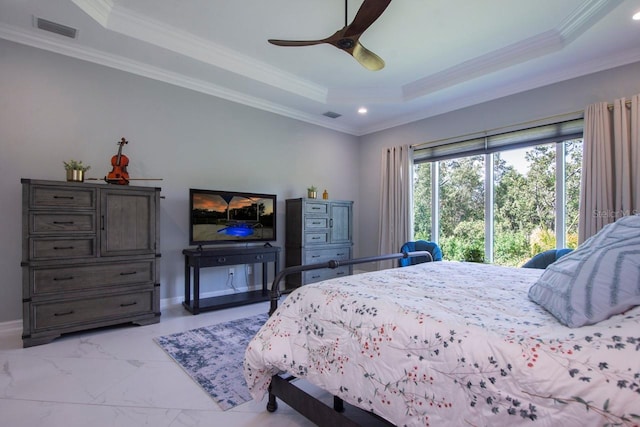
[{"x": 119, "y": 174}]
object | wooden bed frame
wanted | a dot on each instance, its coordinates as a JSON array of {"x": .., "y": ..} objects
[{"x": 282, "y": 386}]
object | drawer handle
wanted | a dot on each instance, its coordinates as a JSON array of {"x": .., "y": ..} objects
[
  {"x": 63, "y": 222},
  {"x": 128, "y": 304},
  {"x": 315, "y": 208},
  {"x": 315, "y": 277},
  {"x": 339, "y": 273},
  {"x": 62, "y": 248},
  {"x": 339, "y": 254},
  {"x": 55, "y": 279},
  {"x": 222, "y": 259},
  {"x": 315, "y": 238},
  {"x": 316, "y": 223},
  {"x": 63, "y": 197},
  {"x": 315, "y": 256},
  {"x": 66, "y": 313},
  {"x": 129, "y": 273},
  {"x": 259, "y": 257}
]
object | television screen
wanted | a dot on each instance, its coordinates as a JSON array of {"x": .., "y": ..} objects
[{"x": 228, "y": 216}]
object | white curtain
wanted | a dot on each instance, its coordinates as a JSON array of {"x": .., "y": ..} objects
[
  {"x": 610, "y": 186},
  {"x": 395, "y": 201}
]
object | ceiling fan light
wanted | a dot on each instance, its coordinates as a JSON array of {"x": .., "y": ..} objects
[
  {"x": 636, "y": 17},
  {"x": 362, "y": 110}
]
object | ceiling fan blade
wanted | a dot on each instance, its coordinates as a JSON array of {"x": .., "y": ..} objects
[
  {"x": 295, "y": 42},
  {"x": 347, "y": 37},
  {"x": 366, "y": 58},
  {"x": 367, "y": 15}
]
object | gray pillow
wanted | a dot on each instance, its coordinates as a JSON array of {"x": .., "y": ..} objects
[{"x": 599, "y": 279}]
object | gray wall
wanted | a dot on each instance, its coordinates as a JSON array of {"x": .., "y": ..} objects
[
  {"x": 561, "y": 98},
  {"x": 54, "y": 108}
]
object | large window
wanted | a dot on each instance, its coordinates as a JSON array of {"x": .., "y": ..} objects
[
  {"x": 422, "y": 201},
  {"x": 504, "y": 205},
  {"x": 462, "y": 217}
]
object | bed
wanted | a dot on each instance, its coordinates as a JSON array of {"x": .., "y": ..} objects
[{"x": 449, "y": 343}]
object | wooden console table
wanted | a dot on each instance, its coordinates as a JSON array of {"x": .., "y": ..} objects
[{"x": 220, "y": 257}]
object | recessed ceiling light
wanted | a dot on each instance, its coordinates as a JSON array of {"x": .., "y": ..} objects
[
  {"x": 636, "y": 17},
  {"x": 362, "y": 110}
]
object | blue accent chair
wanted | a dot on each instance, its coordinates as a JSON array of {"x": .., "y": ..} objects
[
  {"x": 420, "y": 245},
  {"x": 544, "y": 259}
]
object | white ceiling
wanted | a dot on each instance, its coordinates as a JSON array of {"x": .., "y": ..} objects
[{"x": 440, "y": 55}]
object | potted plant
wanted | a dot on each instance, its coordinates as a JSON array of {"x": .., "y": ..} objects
[
  {"x": 75, "y": 170},
  {"x": 312, "y": 192}
]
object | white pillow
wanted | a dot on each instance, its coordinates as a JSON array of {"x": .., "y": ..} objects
[{"x": 599, "y": 279}]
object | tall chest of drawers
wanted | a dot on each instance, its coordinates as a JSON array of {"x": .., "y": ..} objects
[
  {"x": 317, "y": 231},
  {"x": 90, "y": 257}
]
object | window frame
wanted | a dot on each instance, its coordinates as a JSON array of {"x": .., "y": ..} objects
[{"x": 498, "y": 142}]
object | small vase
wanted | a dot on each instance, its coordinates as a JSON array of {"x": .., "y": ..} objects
[
  {"x": 312, "y": 194},
  {"x": 75, "y": 175}
]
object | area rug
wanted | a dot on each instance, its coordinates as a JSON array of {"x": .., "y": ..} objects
[{"x": 213, "y": 357}]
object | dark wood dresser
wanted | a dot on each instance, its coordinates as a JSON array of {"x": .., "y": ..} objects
[{"x": 90, "y": 257}]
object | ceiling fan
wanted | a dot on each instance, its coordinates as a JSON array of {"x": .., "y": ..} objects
[{"x": 346, "y": 38}]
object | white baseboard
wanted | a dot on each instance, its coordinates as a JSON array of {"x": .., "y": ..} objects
[
  {"x": 11, "y": 326},
  {"x": 169, "y": 302}
]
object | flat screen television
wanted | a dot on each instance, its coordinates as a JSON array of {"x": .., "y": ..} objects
[{"x": 231, "y": 216}]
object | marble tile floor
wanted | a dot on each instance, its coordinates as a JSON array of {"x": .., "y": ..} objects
[{"x": 119, "y": 377}]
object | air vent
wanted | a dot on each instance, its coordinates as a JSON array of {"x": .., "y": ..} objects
[
  {"x": 332, "y": 115},
  {"x": 54, "y": 27}
]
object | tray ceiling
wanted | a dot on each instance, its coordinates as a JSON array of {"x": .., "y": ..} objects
[{"x": 440, "y": 55}]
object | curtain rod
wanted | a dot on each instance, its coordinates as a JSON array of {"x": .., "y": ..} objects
[
  {"x": 485, "y": 132},
  {"x": 567, "y": 116},
  {"x": 627, "y": 104}
]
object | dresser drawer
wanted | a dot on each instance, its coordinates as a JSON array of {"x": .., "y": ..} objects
[
  {"x": 48, "y": 223},
  {"x": 311, "y": 223},
  {"x": 325, "y": 274},
  {"x": 316, "y": 208},
  {"x": 316, "y": 238},
  {"x": 316, "y": 256},
  {"x": 90, "y": 310},
  {"x": 53, "y": 280},
  {"x": 61, "y": 197},
  {"x": 43, "y": 248},
  {"x": 233, "y": 259}
]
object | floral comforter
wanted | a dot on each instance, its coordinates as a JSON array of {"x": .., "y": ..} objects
[{"x": 448, "y": 343}]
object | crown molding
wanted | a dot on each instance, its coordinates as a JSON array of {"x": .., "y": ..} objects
[
  {"x": 137, "y": 26},
  {"x": 583, "y": 17},
  {"x": 65, "y": 48},
  {"x": 510, "y": 55},
  {"x": 98, "y": 10},
  {"x": 579, "y": 70},
  {"x": 580, "y": 20},
  {"x": 513, "y": 54}
]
